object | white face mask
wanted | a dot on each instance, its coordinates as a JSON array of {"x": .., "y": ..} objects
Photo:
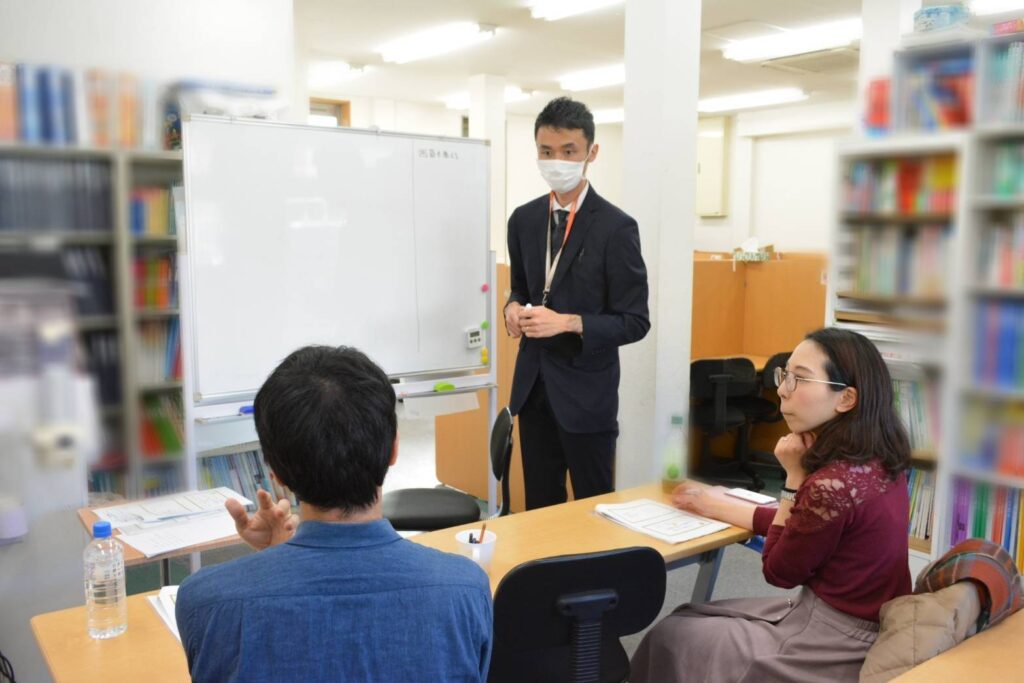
[{"x": 561, "y": 176}]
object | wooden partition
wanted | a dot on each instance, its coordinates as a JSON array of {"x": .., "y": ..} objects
[{"x": 462, "y": 439}]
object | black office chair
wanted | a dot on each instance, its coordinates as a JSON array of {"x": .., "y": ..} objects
[
  {"x": 440, "y": 508},
  {"x": 717, "y": 387},
  {"x": 761, "y": 410},
  {"x": 560, "y": 619}
]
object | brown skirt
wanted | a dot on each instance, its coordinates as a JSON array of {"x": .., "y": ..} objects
[{"x": 753, "y": 640}]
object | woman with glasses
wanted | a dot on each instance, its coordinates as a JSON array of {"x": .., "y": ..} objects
[{"x": 839, "y": 533}]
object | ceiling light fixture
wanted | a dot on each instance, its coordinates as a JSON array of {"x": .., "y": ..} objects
[
  {"x": 796, "y": 42},
  {"x": 749, "y": 100},
  {"x": 594, "y": 78},
  {"x": 435, "y": 41},
  {"x": 553, "y": 10}
]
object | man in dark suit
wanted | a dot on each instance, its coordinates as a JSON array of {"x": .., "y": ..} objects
[{"x": 579, "y": 291}]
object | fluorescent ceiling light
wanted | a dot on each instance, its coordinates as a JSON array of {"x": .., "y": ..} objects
[
  {"x": 435, "y": 41},
  {"x": 797, "y": 42},
  {"x": 609, "y": 115},
  {"x": 982, "y": 7},
  {"x": 594, "y": 78},
  {"x": 553, "y": 10},
  {"x": 327, "y": 74},
  {"x": 748, "y": 100},
  {"x": 513, "y": 93}
]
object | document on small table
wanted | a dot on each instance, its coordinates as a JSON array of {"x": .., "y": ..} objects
[
  {"x": 164, "y": 605},
  {"x": 181, "y": 533},
  {"x": 134, "y": 517},
  {"x": 660, "y": 521}
]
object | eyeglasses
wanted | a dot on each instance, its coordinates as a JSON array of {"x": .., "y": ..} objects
[{"x": 790, "y": 379}]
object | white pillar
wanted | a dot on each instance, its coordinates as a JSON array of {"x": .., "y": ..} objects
[
  {"x": 487, "y": 122},
  {"x": 884, "y": 22},
  {"x": 660, "y": 160}
]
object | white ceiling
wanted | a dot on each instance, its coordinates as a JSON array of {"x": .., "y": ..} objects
[{"x": 533, "y": 54}]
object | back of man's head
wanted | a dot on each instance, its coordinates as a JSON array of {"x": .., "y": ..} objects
[{"x": 326, "y": 422}]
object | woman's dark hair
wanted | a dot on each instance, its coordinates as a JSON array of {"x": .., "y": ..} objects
[
  {"x": 872, "y": 429},
  {"x": 326, "y": 422},
  {"x": 565, "y": 113}
]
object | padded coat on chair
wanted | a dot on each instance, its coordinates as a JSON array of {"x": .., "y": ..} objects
[
  {"x": 440, "y": 508},
  {"x": 560, "y": 618}
]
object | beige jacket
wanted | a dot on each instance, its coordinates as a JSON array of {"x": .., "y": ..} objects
[{"x": 915, "y": 628}]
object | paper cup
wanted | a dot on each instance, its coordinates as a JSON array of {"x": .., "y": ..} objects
[{"x": 481, "y": 553}]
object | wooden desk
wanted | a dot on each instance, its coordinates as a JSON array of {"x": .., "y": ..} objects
[
  {"x": 147, "y": 651},
  {"x": 574, "y": 527},
  {"x": 992, "y": 655}
]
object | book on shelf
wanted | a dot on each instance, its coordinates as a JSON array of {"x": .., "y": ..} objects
[
  {"x": 901, "y": 186},
  {"x": 1006, "y": 78},
  {"x": 1008, "y": 169},
  {"x": 54, "y": 195},
  {"x": 103, "y": 361},
  {"x": 918, "y": 405},
  {"x": 911, "y": 263},
  {"x": 162, "y": 432},
  {"x": 938, "y": 93},
  {"x": 160, "y": 481},
  {"x": 159, "y": 351},
  {"x": 993, "y": 438},
  {"x": 988, "y": 511},
  {"x": 156, "y": 281},
  {"x": 8, "y": 102},
  {"x": 243, "y": 472},
  {"x": 107, "y": 481},
  {"x": 1001, "y": 252},
  {"x": 921, "y": 488},
  {"x": 152, "y": 213},
  {"x": 999, "y": 344},
  {"x": 88, "y": 271}
]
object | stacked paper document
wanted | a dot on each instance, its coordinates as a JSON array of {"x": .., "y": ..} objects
[
  {"x": 164, "y": 604},
  {"x": 660, "y": 521}
]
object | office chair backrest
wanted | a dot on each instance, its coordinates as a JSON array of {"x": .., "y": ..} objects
[
  {"x": 501, "y": 455},
  {"x": 741, "y": 374},
  {"x": 779, "y": 360},
  {"x": 560, "y": 618}
]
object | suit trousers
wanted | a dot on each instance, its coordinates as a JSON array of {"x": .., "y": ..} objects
[{"x": 548, "y": 450}]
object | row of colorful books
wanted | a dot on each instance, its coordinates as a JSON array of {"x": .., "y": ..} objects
[
  {"x": 901, "y": 186},
  {"x": 999, "y": 344},
  {"x": 921, "y": 487},
  {"x": 1006, "y": 89},
  {"x": 918, "y": 405},
  {"x": 245, "y": 473},
  {"x": 156, "y": 281},
  {"x": 1008, "y": 169},
  {"x": 162, "y": 480},
  {"x": 1001, "y": 253},
  {"x": 44, "y": 104},
  {"x": 993, "y": 437},
  {"x": 54, "y": 195},
  {"x": 904, "y": 262},
  {"x": 938, "y": 93},
  {"x": 152, "y": 212},
  {"x": 162, "y": 431},
  {"x": 987, "y": 511},
  {"x": 106, "y": 481},
  {"x": 159, "y": 351}
]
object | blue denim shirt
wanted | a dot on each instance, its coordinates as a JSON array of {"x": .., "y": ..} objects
[{"x": 338, "y": 602}]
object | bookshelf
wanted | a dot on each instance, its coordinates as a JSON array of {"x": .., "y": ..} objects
[
  {"x": 929, "y": 244},
  {"x": 88, "y": 191}
]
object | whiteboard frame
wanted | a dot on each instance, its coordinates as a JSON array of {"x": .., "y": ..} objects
[{"x": 190, "y": 350}]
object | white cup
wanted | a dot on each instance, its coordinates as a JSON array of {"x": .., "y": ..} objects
[{"x": 481, "y": 553}]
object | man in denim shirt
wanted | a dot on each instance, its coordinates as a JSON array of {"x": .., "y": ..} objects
[{"x": 343, "y": 597}]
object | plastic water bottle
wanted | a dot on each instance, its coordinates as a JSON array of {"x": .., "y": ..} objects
[
  {"x": 105, "y": 601},
  {"x": 672, "y": 455}
]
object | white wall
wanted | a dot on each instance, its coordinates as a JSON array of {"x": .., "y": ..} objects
[
  {"x": 403, "y": 117},
  {"x": 246, "y": 41},
  {"x": 774, "y": 153}
]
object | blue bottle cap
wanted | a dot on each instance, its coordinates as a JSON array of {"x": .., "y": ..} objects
[{"x": 101, "y": 529}]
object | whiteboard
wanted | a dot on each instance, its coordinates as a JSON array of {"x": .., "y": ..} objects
[{"x": 302, "y": 235}]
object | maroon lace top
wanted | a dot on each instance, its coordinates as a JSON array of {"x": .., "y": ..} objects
[{"x": 846, "y": 538}]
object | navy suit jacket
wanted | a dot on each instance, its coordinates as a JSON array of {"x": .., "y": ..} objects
[{"x": 602, "y": 278}]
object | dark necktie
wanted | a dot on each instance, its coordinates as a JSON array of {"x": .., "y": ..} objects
[{"x": 558, "y": 231}]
